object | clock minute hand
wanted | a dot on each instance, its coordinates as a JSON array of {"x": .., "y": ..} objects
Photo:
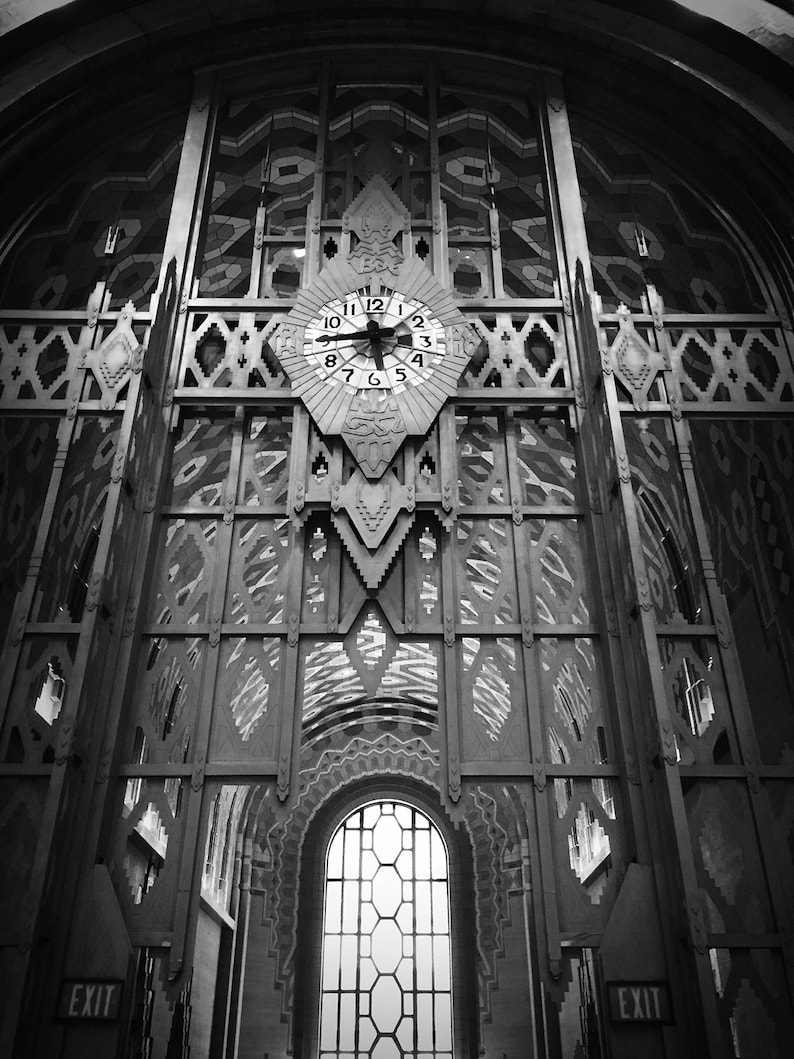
[
  {"x": 350, "y": 336},
  {"x": 374, "y": 333}
]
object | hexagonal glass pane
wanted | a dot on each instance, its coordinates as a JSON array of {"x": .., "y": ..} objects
[
  {"x": 386, "y": 1048},
  {"x": 386, "y": 1004},
  {"x": 387, "y": 944},
  {"x": 387, "y": 891},
  {"x": 387, "y": 839}
]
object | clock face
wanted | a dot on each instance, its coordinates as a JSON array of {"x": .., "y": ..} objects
[{"x": 382, "y": 341}]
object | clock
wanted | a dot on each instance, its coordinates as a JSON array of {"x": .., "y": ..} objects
[
  {"x": 373, "y": 357},
  {"x": 385, "y": 341}
]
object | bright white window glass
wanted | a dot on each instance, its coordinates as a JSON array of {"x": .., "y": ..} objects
[{"x": 386, "y": 983}]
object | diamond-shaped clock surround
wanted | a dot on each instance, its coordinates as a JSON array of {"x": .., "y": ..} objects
[{"x": 374, "y": 423}]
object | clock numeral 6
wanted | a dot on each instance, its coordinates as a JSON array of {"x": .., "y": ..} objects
[{"x": 374, "y": 379}]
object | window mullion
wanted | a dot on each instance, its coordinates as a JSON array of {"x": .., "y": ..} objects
[{"x": 357, "y": 1031}]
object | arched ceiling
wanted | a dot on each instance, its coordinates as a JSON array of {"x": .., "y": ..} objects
[
  {"x": 741, "y": 44},
  {"x": 770, "y": 24},
  {"x": 736, "y": 55},
  {"x": 706, "y": 81}
]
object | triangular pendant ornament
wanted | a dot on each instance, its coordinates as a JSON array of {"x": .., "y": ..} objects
[
  {"x": 372, "y": 507},
  {"x": 374, "y": 565}
]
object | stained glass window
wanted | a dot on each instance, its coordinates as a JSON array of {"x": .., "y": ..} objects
[{"x": 386, "y": 974}]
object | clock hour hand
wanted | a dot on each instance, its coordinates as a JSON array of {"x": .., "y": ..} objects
[
  {"x": 376, "y": 334},
  {"x": 377, "y": 355}
]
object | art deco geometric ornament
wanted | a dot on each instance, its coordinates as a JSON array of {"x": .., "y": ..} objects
[
  {"x": 373, "y": 348},
  {"x": 375, "y": 345}
]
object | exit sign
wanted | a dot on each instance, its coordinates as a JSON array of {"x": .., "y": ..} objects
[
  {"x": 82, "y": 999},
  {"x": 639, "y": 1002}
]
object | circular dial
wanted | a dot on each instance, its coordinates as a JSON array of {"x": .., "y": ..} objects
[{"x": 381, "y": 341}]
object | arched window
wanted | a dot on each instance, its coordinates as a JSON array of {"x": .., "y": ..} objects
[{"x": 386, "y": 988}]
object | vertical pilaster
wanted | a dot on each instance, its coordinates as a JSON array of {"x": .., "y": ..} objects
[
  {"x": 605, "y": 463},
  {"x": 438, "y": 210},
  {"x": 546, "y": 873},
  {"x": 183, "y": 238},
  {"x": 314, "y": 252},
  {"x": 450, "y": 721},
  {"x": 767, "y": 832},
  {"x": 144, "y": 447}
]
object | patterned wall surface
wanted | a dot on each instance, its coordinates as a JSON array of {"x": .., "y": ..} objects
[
  {"x": 519, "y": 620},
  {"x": 62, "y": 255},
  {"x": 692, "y": 259}
]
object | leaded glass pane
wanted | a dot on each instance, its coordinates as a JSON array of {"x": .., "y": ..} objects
[
  {"x": 259, "y": 570},
  {"x": 482, "y": 469},
  {"x": 727, "y": 858},
  {"x": 27, "y": 447},
  {"x": 746, "y": 475},
  {"x": 752, "y": 1001},
  {"x": 200, "y": 462},
  {"x": 557, "y": 564},
  {"x": 127, "y": 189},
  {"x": 490, "y": 158},
  {"x": 74, "y": 534},
  {"x": 645, "y": 225},
  {"x": 546, "y": 459},
  {"x": 266, "y": 156},
  {"x": 486, "y": 579},
  {"x": 675, "y": 581},
  {"x": 384, "y": 133},
  {"x": 266, "y": 459}
]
